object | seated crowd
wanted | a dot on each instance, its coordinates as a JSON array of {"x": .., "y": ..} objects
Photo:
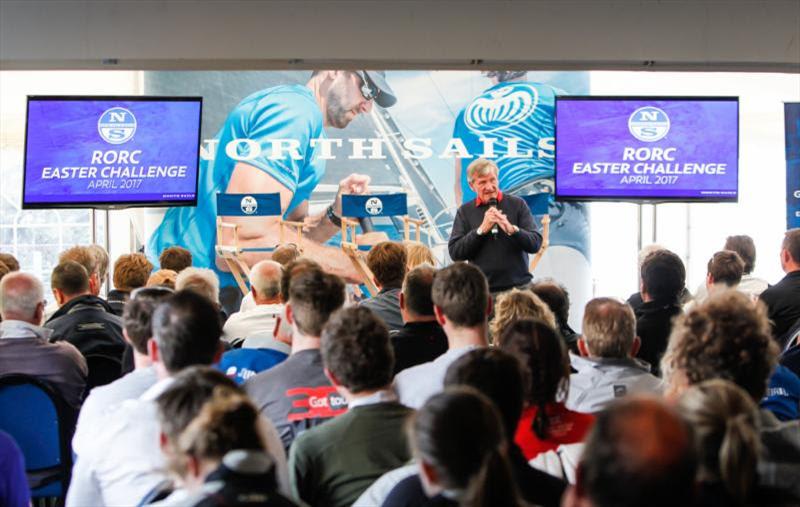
[{"x": 431, "y": 392}]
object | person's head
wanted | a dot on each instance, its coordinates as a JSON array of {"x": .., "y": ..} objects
[
  {"x": 265, "y": 282},
  {"x": 138, "y": 313},
  {"x": 175, "y": 258},
  {"x": 68, "y": 281},
  {"x": 556, "y": 297},
  {"x": 545, "y": 366},
  {"x": 203, "y": 281},
  {"x": 663, "y": 277},
  {"x": 460, "y": 296},
  {"x": 415, "y": 298},
  {"x": 203, "y": 416},
  {"x": 4, "y": 270},
  {"x": 725, "y": 268},
  {"x": 101, "y": 254},
  {"x": 790, "y": 250},
  {"x": 496, "y": 374},
  {"x": 21, "y": 298},
  {"x": 89, "y": 259},
  {"x": 313, "y": 296},
  {"x": 356, "y": 350},
  {"x": 746, "y": 248},
  {"x": 345, "y": 94},
  {"x": 293, "y": 269},
  {"x": 518, "y": 304},
  {"x": 726, "y": 337},
  {"x": 162, "y": 278},
  {"x": 609, "y": 330},
  {"x": 186, "y": 332},
  {"x": 10, "y": 261},
  {"x": 387, "y": 261},
  {"x": 724, "y": 420},
  {"x": 417, "y": 254},
  {"x": 482, "y": 177},
  {"x": 638, "y": 452},
  {"x": 131, "y": 271},
  {"x": 286, "y": 253},
  {"x": 460, "y": 445}
]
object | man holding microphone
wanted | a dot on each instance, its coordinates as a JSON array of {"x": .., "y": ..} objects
[{"x": 496, "y": 231}]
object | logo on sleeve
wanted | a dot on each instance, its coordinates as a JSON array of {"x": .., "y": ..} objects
[
  {"x": 116, "y": 125},
  {"x": 648, "y": 124}
]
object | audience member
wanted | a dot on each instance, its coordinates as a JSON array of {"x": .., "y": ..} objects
[
  {"x": 461, "y": 305},
  {"x": 201, "y": 281},
  {"x": 462, "y": 452},
  {"x": 10, "y": 261},
  {"x": 387, "y": 261},
  {"x": 4, "y": 270},
  {"x": 783, "y": 394},
  {"x": 417, "y": 254},
  {"x": 213, "y": 444},
  {"x": 728, "y": 337},
  {"x": 137, "y": 330},
  {"x": 421, "y": 338},
  {"x": 607, "y": 367},
  {"x": 635, "y": 300},
  {"x": 663, "y": 280},
  {"x": 83, "y": 319},
  {"x": 724, "y": 421},
  {"x": 285, "y": 392},
  {"x": 546, "y": 422},
  {"x": 332, "y": 464},
  {"x": 91, "y": 259},
  {"x": 123, "y": 461},
  {"x": 14, "y": 490},
  {"x": 259, "y": 322},
  {"x": 516, "y": 304},
  {"x": 162, "y": 278},
  {"x": 556, "y": 297},
  {"x": 24, "y": 345},
  {"x": 101, "y": 255},
  {"x": 284, "y": 255},
  {"x": 639, "y": 452},
  {"x": 783, "y": 298},
  {"x": 131, "y": 271},
  {"x": 724, "y": 272},
  {"x": 175, "y": 258},
  {"x": 749, "y": 284}
]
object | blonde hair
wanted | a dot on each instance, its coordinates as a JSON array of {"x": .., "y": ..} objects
[
  {"x": 518, "y": 304},
  {"x": 162, "y": 278},
  {"x": 725, "y": 423},
  {"x": 417, "y": 254},
  {"x": 83, "y": 255},
  {"x": 481, "y": 167},
  {"x": 201, "y": 281}
]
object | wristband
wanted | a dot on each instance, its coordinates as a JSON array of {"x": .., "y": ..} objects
[{"x": 335, "y": 220}]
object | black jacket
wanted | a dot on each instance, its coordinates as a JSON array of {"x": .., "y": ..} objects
[
  {"x": 88, "y": 322},
  {"x": 783, "y": 304},
  {"x": 653, "y": 326},
  {"x": 416, "y": 343}
]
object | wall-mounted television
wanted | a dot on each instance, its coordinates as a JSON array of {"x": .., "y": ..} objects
[
  {"x": 647, "y": 149},
  {"x": 111, "y": 152}
]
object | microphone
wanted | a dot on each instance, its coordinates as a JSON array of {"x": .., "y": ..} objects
[{"x": 493, "y": 203}]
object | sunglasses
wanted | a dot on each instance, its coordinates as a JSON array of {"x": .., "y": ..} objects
[{"x": 368, "y": 90}]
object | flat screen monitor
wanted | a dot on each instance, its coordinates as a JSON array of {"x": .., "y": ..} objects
[
  {"x": 111, "y": 152},
  {"x": 651, "y": 149}
]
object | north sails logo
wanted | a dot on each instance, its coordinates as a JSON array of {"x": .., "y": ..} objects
[
  {"x": 501, "y": 108},
  {"x": 373, "y": 206},
  {"x": 648, "y": 124},
  {"x": 116, "y": 125},
  {"x": 249, "y": 205}
]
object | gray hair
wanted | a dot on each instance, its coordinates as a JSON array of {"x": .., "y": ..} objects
[
  {"x": 265, "y": 278},
  {"x": 20, "y": 294},
  {"x": 201, "y": 281}
]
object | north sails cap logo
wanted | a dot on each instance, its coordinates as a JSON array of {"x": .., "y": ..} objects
[
  {"x": 501, "y": 108},
  {"x": 648, "y": 124},
  {"x": 116, "y": 125},
  {"x": 374, "y": 206},
  {"x": 249, "y": 205}
]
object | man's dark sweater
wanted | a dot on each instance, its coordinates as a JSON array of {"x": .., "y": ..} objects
[
  {"x": 503, "y": 258},
  {"x": 653, "y": 327},
  {"x": 783, "y": 306}
]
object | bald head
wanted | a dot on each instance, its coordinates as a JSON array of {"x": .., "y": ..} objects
[
  {"x": 21, "y": 298},
  {"x": 265, "y": 282},
  {"x": 639, "y": 452}
]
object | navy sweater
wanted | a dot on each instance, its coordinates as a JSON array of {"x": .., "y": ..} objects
[{"x": 503, "y": 258}]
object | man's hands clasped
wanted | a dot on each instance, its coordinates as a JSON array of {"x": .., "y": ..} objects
[{"x": 495, "y": 216}]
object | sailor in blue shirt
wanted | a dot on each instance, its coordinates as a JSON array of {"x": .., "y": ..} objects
[{"x": 258, "y": 163}]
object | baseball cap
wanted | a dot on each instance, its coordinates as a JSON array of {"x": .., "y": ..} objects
[{"x": 377, "y": 87}]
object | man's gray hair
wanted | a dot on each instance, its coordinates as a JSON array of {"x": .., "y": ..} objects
[
  {"x": 201, "y": 281},
  {"x": 265, "y": 278},
  {"x": 20, "y": 294},
  {"x": 609, "y": 328}
]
